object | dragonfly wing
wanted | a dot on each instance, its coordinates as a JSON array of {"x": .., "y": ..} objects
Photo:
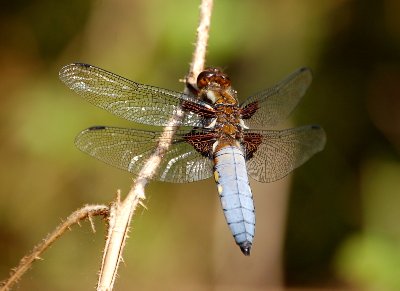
[
  {"x": 127, "y": 99},
  {"x": 280, "y": 152},
  {"x": 273, "y": 105},
  {"x": 129, "y": 149}
]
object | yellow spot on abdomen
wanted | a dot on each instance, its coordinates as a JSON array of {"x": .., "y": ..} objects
[
  {"x": 216, "y": 176},
  {"x": 219, "y": 189}
]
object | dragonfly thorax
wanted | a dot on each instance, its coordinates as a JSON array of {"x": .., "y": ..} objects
[{"x": 215, "y": 87}]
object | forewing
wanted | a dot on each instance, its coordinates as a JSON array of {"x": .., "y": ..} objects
[
  {"x": 271, "y": 106},
  {"x": 280, "y": 152},
  {"x": 129, "y": 149},
  {"x": 127, "y": 99}
]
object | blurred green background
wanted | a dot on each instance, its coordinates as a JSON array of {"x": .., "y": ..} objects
[{"x": 334, "y": 224}]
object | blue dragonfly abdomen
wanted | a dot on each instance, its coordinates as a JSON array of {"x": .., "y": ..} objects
[{"x": 235, "y": 194}]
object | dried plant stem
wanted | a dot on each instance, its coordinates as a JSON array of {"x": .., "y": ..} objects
[
  {"x": 199, "y": 54},
  {"x": 86, "y": 212},
  {"x": 121, "y": 212}
]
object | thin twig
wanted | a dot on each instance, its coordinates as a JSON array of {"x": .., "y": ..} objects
[
  {"x": 119, "y": 225},
  {"x": 199, "y": 54},
  {"x": 86, "y": 212}
]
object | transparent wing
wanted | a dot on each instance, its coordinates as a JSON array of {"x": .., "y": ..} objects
[
  {"x": 129, "y": 149},
  {"x": 280, "y": 152},
  {"x": 275, "y": 104},
  {"x": 127, "y": 99}
]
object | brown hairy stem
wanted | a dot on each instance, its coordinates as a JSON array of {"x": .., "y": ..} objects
[{"x": 87, "y": 212}]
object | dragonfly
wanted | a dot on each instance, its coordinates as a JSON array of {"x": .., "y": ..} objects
[{"x": 217, "y": 136}]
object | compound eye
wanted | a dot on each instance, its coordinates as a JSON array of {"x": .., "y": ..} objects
[
  {"x": 204, "y": 79},
  {"x": 213, "y": 75}
]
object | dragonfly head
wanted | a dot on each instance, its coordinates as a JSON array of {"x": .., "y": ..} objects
[{"x": 213, "y": 78}]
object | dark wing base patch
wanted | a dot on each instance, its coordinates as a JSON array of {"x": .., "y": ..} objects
[
  {"x": 202, "y": 142},
  {"x": 248, "y": 111},
  {"x": 251, "y": 142}
]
